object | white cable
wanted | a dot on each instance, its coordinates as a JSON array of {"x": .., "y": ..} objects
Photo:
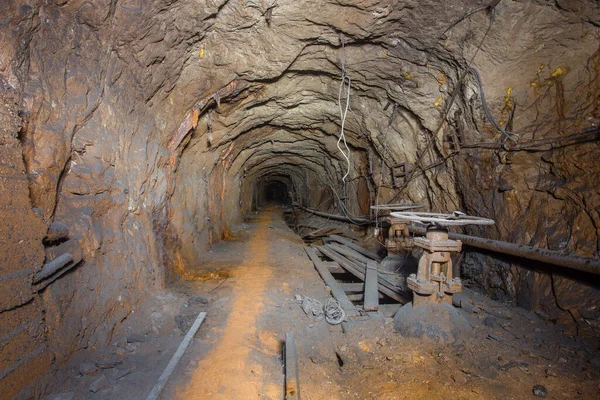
[{"x": 343, "y": 113}]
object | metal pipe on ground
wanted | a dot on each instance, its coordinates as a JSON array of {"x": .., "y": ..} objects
[
  {"x": 164, "y": 377},
  {"x": 566, "y": 260}
]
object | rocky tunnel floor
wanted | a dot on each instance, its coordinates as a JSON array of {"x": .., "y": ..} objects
[{"x": 250, "y": 288}]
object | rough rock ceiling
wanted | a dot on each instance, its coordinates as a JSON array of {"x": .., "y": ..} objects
[{"x": 103, "y": 89}]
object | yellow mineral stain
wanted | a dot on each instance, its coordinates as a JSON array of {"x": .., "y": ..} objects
[
  {"x": 508, "y": 93},
  {"x": 202, "y": 52},
  {"x": 559, "y": 72},
  {"x": 226, "y": 372},
  {"x": 441, "y": 78},
  {"x": 437, "y": 102}
]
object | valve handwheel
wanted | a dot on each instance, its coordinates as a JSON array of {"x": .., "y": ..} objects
[
  {"x": 396, "y": 207},
  {"x": 457, "y": 218},
  {"x": 434, "y": 281}
]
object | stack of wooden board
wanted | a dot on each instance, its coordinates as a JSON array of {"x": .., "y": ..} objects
[{"x": 347, "y": 257}]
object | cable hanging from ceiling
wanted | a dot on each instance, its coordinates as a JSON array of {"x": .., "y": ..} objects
[{"x": 345, "y": 84}]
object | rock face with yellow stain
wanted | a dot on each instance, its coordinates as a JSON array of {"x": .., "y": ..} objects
[{"x": 104, "y": 86}]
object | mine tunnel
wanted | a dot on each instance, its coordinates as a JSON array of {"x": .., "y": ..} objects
[{"x": 361, "y": 199}]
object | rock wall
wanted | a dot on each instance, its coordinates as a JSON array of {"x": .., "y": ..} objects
[
  {"x": 145, "y": 125},
  {"x": 24, "y": 352}
]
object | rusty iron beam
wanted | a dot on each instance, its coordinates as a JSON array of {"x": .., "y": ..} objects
[{"x": 562, "y": 259}]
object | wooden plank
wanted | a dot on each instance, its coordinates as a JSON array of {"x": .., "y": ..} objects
[
  {"x": 371, "y": 302},
  {"x": 334, "y": 267},
  {"x": 353, "y": 287},
  {"x": 358, "y": 297},
  {"x": 360, "y": 262},
  {"x": 348, "y": 253},
  {"x": 336, "y": 289},
  {"x": 354, "y": 246},
  {"x": 322, "y": 232},
  {"x": 292, "y": 383},
  {"x": 384, "y": 287}
]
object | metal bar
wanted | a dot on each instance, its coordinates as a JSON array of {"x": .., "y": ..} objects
[
  {"x": 53, "y": 266},
  {"x": 292, "y": 384},
  {"x": 371, "y": 299},
  {"x": 164, "y": 377},
  {"x": 566, "y": 260}
]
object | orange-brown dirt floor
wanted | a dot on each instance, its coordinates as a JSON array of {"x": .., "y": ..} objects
[{"x": 251, "y": 303}]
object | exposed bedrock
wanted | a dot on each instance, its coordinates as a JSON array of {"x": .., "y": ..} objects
[{"x": 150, "y": 128}]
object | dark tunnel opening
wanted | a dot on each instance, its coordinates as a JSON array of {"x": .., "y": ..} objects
[
  {"x": 273, "y": 191},
  {"x": 277, "y": 193}
]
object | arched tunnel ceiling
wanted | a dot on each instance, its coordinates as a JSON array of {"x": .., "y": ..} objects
[
  {"x": 145, "y": 123},
  {"x": 405, "y": 62}
]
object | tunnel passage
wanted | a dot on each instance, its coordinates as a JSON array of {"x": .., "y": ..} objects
[
  {"x": 273, "y": 191},
  {"x": 145, "y": 129}
]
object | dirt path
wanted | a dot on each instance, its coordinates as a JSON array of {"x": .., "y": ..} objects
[
  {"x": 267, "y": 270},
  {"x": 237, "y": 351},
  {"x": 224, "y": 373}
]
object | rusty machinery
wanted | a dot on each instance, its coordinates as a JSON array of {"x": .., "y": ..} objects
[
  {"x": 434, "y": 281},
  {"x": 398, "y": 236}
]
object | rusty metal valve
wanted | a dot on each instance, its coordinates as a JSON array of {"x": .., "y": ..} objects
[
  {"x": 434, "y": 282},
  {"x": 398, "y": 236}
]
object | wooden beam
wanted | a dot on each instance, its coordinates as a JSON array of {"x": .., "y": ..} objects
[
  {"x": 358, "y": 297},
  {"x": 354, "y": 246},
  {"x": 334, "y": 267},
  {"x": 371, "y": 302},
  {"x": 336, "y": 289},
  {"x": 353, "y": 287},
  {"x": 322, "y": 232},
  {"x": 292, "y": 384},
  {"x": 348, "y": 253},
  {"x": 384, "y": 287}
]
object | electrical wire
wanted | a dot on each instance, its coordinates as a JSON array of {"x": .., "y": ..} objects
[
  {"x": 510, "y": 135},
  {"x": 343, "y": 114}
]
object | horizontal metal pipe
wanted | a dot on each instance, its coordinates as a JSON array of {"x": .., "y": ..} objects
[
  {"x": 562, "y": 259},
  {"x": 337, "y": 217},
  {"x": 53, "y": 266},
  {"x": 56, "y": 231}
]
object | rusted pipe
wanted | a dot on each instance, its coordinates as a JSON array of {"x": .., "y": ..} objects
[
  {"x": 353, "y": 220},
  {"x": 50, "y": 268},
  {"x": 56, "y": 231},
  {"x": 562, "y": 259}
]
